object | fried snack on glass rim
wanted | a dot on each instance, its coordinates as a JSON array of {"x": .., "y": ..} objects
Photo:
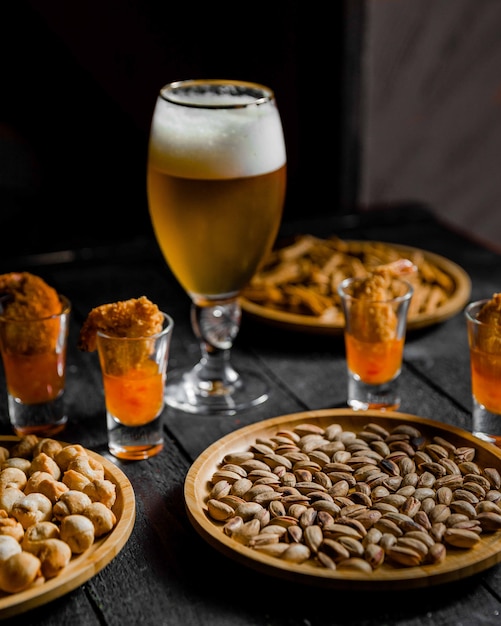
[
  {"x": 377, "y": 288},
  {"x": 30, "y": 297},
  {"x": 27, "y": 297},
  {"x": 137, "y": 317},
  {"x": 489, "y": 336},
  {"x": 302, "y": 277}
]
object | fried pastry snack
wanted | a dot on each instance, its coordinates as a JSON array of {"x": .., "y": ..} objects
[
  {"x": 128, "y": 318},
  {"x": 27, "y": 297},
  {"x": 30, "y": 297},
  {"x": 135, "y": 318},
  {"x": 489, "y": 339},
  {"x": 373, "y": 318}
]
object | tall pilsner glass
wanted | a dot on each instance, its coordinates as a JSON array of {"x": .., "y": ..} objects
[{"x": 216, "y": 189}]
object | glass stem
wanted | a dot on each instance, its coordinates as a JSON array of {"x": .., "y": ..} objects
[{"x": 216, "y": 326}]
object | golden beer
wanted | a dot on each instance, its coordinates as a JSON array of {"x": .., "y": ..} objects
[{"x": 216, "y": 186}]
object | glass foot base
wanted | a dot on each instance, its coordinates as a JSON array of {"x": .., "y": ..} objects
[
  {"x": 486, "y": 424},
  {"x": 185, "y": 391},
  {"x": 135, "y": 453},
  {"x": 363, "y": 396}
]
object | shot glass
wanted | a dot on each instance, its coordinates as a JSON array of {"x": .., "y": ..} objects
[
  {"x": 374, "y": 335},
  {"x": 34, "y": 361},
  {"x": 484, "y": 341},
  {"x": 134, "y": 372}
]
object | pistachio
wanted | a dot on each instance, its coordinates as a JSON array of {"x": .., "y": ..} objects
[
  {"x": 415, "y": 544},
  {"x": 357, "y": 564},
  {"x": 296, "y": 553},
  {"x": 334, "y": 549},
  {"x": 403, "y": 555},
  {"x": 308, "y": 517},
  {"x": 272, "y": 549},
  {"x": 326, "y": 561},
  {"x": 439, "y": 513},
  {"x": 239, "y": 487},
  {"x": 233, "y": 467},
  {"x": 254, "y": 464},
  {"x": 465, "y": 454},
  {"x": 436, "y": 554},
  {"x": 324, "y": 518},
  {"x": 274, "y": 529},
  {"x": 421, "y": 536},
  {"x": 313, "y": 537},
  {"x": 464, "y": 507},
  {"x": 238, "y": 457},
  {"x": 489, "y": 521},
  {"x": 334, "y": 531},
  {"x": 276, "y": 508},
  {"x": 465, "y": 494},
  {"x": 245, "y": 532},
  {"x": 461, "y": 538},
  {"x": 233, "y": 524},
  {"x": 221, "y": 488},
  {"x": 263, "y": 539},
  {"x": 437, "y": 451},
  {"x": 295, "y": 534},
  {"x": 444, "y": 495},
  {"x": 374, "y": 555},
  {"x": 247, "y": 510},
  {"x": 493, "y": 476},
  {"x": 354, "y": 547},
  {"x": 219, "y": 510},
  {"x": 226, "y": 475},
  {"x": 373, "y": 536}
]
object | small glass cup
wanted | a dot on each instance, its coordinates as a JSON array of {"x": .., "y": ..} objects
[
  {"x": 134, "y": 372},
  {"x": 34, "y": 362},
  {"x": 374, "y": 335},
  {"x": 485, "y": 365}
]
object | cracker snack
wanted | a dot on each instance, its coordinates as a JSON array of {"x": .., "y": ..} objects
[{"x": 302, "y": 277}]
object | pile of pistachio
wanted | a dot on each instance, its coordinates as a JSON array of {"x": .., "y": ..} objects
[{"x": 335, "y": 498}]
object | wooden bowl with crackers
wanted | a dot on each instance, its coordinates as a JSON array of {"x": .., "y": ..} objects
[{"x": 296, "y": 287}]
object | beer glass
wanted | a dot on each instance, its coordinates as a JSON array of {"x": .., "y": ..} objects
[{"x": 216, "y": 185}]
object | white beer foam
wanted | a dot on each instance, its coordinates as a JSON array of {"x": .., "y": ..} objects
[{"x": 216, "y": 143}]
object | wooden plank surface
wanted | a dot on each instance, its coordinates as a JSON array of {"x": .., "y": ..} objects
[{"x": 161, "y": 575}]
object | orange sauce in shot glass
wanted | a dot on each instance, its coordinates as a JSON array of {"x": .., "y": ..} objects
[
  {"x": 35, "y": 378},
  {"x": 486, "y": 379},
  {"x": 375, "y": 362},
  {"x": 135, "y": 397},
  {"x": 34, "y": 355}
]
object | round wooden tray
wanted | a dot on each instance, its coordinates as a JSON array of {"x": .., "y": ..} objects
[
  {"x": 312, "y": 324},
  {"x": 458, "y": 563},
  {"x": 84, "y": 566}
]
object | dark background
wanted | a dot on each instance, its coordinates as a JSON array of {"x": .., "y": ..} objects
[{"x": 79, "y": 83}]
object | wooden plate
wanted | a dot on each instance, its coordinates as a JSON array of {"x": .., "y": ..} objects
[
  {"x": 84, "y": 566},
  {"x": 312, "y": 324},
  {"x": 459, "y": 563}
]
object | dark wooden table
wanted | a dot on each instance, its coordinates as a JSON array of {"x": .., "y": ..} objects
[{"x": 167, "y": 574}]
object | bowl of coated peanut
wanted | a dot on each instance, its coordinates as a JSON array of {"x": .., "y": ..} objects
[{"x": 65, "y": 512}]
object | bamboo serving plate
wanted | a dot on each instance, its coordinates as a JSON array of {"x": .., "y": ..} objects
[
  {"x": 314, "y": 325},
  {"x": 458, "y": 564},
  {"x": 84, "y": 566}
]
